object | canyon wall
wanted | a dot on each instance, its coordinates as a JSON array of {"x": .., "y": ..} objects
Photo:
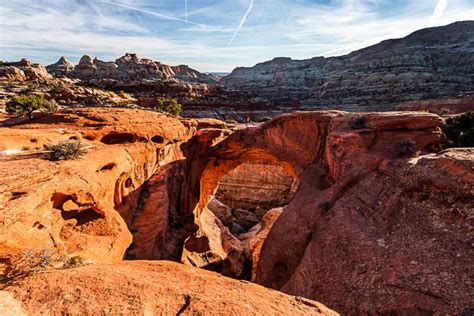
[
  {"x": 256, "y": 184},
  {"x": 428, "y": 64},
  {"x": 83, "y": 207},
  {"x": 380, "y": 222}
]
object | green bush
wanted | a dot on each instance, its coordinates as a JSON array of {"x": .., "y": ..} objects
[
  {"x": 406, "y": 148},
  {"x": 170, "y": 106},
  {"x": 74, "y": 262},
  {"x": 357, "y": 122},
  {"x": 459, "y": 130},
  {"x": 25, "y": 105},
  {"x": 65, "y": 150}
]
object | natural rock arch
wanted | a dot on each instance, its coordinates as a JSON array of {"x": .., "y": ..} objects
[{"x": 292, "y": 141}]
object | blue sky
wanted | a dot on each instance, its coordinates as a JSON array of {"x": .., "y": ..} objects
[{"x": 211, "y": 35}]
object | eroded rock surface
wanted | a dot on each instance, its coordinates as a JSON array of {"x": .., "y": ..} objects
[
  {"x": 371, "y": 229},
  {"x": 159, "y": 287},
  {"x": 358, "y": 200},
  {"x": 256, "y": 184},
  {"x": 83, "y": 206},
  {"x": 428, "y": 64}
]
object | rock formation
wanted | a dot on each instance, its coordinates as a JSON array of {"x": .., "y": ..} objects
[
  {"x": 61, "y": 67},
  {"x": 379, "y": 222},
  {"x": 440, "y": 106},
  {"x": 155, "y": 288},
  {"x": 83, "y": 209},
  {"x": 343, "y": 226},
  {"x": 24, "y": 70},
  {"x": 256, "y": 184},
  {"x": 428, "y": 64},
  {"x": 125, "y": 69}
]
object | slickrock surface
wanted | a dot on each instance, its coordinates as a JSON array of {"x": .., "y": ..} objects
[
  {"x": 428, "y": 64},
  {"x": 153, "y": 288},
  {"x": 368, "y": 231},
  {"x": 82, "y": 205},
  {"x": 9, "y": 306}
]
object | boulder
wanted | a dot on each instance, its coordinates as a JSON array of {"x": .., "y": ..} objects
[
  {"x": 255, "y": 237},
  {"x": 222, "y": 211}
]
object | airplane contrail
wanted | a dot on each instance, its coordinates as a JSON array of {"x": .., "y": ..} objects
[
  {"x": 186, "y": 9},
  {"x": 439, "y": 10},
  {"x": 163, "y": 16},
  {"x": 242, "y": 21}
]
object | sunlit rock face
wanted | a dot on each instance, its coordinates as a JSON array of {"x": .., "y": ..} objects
[
  {"x": 368, "y": 231},
  {"x": 428, "y": 64},
  {"x": 256, "y": 184}
]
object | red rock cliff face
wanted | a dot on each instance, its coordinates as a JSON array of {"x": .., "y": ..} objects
[
  {"x": 83, "y": 206},
  {"x": 256, "y": 184},
  {"x": 368, "y": 231}
]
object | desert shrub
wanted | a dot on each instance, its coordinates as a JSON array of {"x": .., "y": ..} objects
[
  {"x": 25, "y": 105},
  {"x": 357, "y": 122},
  {"x": 30, "y": 261},
  {"x": 51, "y": 106},
  {"x": 66, "y": 150},
  {"x": 406, "y": 148},
  {"x": 459, "y": 130},
  {"x": 74, "y": 262},
  {"x": 170, "y": 106}
]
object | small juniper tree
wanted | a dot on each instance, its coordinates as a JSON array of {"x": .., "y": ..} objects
[
  {"x": 25, "y": 105},
  {"x": 460, "y": 130},
  {"x": 170, "y": 106},
  {"x": 65, "y": 150}
]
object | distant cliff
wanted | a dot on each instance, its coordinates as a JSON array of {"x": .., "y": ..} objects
[
  {"x": 127, "y": 68},
  {"x": 428, "y": 64}
]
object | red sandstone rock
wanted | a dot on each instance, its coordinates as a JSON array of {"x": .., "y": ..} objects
[
  {"x": 159, "y": 287},
  {"x": 256, "y": 183},
  {"x": 254, "y": 239},
  {"x": 10, "y": 306},
  {"x": 38, "y": 196},
  {"x": 366, "y": 232}
]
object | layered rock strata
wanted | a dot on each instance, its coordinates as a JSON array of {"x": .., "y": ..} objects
[
  {"x": 256, "y": 184},
  {"x": 428, "y": 64}
]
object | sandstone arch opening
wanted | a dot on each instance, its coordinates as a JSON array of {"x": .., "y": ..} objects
[
  {"x": 246, "y": 193},
  {"x": 256, "y": 186}
]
